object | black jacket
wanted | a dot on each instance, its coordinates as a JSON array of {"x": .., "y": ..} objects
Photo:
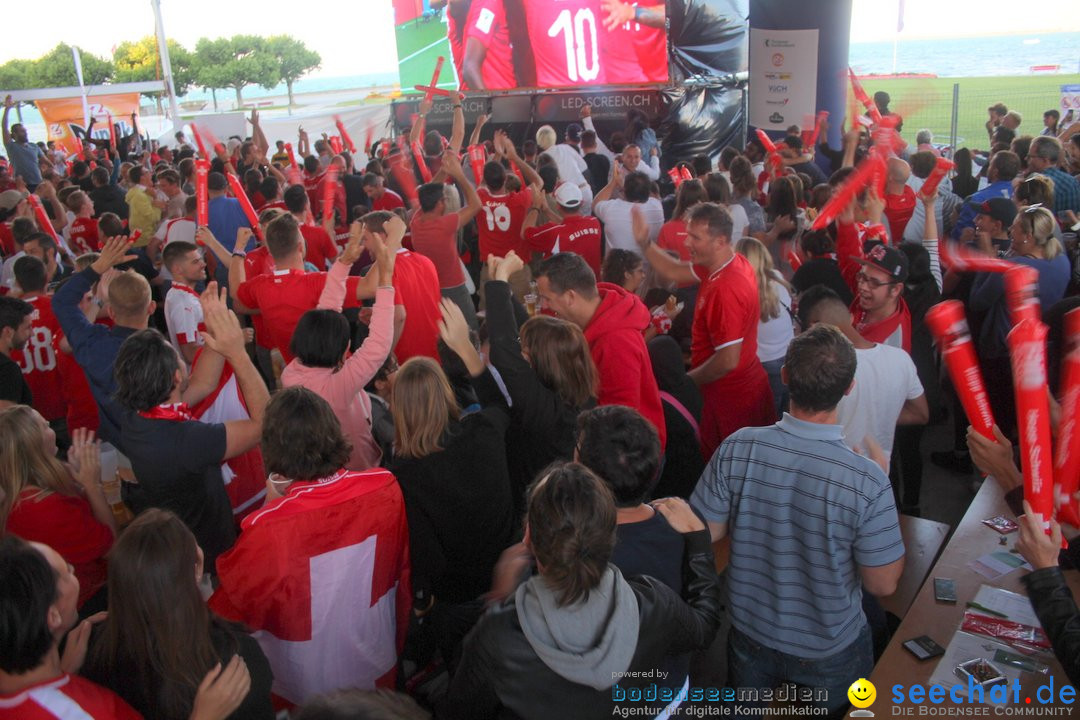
[
  {"x": 501, "y": 676},
  {"x": 458, "y": 503},
  {"x": 109, "y": 198},
  {"x": 1056, "y": 608},
  {"x": 544, "y": 426}
]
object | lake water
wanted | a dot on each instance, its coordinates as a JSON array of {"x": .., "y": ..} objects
[{"x": 970, "y": 56}]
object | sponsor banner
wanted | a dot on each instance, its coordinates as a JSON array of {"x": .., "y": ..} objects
[
  {"x": 64, "y": 118},
  {"x": 783, "y": 77}
]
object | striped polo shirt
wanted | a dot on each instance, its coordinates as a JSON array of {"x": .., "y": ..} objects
[{"x": 803, "y": 513}]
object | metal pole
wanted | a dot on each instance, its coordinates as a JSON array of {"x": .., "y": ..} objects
[
  {"x": 166, "y": 66},
  {"x": 955, "y": 115},
  {"x": 82, "y": 88}
]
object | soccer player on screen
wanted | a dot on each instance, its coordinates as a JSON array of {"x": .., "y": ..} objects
[
  {"x": 488, "y": 62},
  {"x": 565, "y": 41},
  {"x": 634, "y": 42}
]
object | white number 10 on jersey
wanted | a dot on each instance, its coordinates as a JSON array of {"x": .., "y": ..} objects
[{"x": 580, "y": 48}]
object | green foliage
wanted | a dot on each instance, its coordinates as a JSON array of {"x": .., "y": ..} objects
[
  {"x": 294, "y": 59},
  {"x": 57, "y": 69},
  {"x": 138, "y": 62},
  {"x": 15, "y": 74},
  {"x": 235, "y": 62}
]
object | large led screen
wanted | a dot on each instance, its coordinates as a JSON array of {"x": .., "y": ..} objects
[{"x": 511, "y": 44}]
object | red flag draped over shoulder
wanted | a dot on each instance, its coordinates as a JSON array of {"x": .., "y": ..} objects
[{"x": 322, "y": 575}]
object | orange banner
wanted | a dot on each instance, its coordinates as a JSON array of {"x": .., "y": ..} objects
[{"x": 64, "y": 118}]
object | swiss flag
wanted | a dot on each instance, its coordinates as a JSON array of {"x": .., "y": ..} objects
[
  {"x": 322, "y": 576},
  {"x": 245, "y": 478}
]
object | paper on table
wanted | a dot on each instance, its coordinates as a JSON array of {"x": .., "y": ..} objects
[
  {"x": 1014, "y": 606},
  {"x": 963, "y": 647},
  {"x": 993, "y": 565}
]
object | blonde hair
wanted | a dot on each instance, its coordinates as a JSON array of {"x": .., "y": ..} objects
[
  {"x": 545, "y": 137},
  {"x": 423, "y": 406},
  {"x": 1040, "y": 223},
  {"x": 24, "y": 462},
  {"x": 129, "y": 294},
  {"x": 760, "y": 259}
]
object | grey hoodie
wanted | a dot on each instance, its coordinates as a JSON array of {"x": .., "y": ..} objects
[{"x": 585, "y": 642}]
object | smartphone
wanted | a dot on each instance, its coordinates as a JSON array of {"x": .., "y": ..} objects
[
  {"x": 944, "y": 590},
  {"x": 923, "y": 647}
]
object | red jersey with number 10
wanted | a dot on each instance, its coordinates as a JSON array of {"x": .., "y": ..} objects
[
  {"x": 565, "y": 39},
  {"x": 499, "y": 221}
]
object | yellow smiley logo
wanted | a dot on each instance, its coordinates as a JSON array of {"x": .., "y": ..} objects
[{"x": 862, "y": 693}]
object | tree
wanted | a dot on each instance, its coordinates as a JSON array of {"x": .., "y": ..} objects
[
  {"x": 15, "y": 75},
  {"x": 57, "y": 69},
  {"x": 139, "y": 62},
  {"x": 293, "y": 58},
  {"x": 235, "y": 62}
]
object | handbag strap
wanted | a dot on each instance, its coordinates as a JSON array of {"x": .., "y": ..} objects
[{"x": 673, "y": 402}]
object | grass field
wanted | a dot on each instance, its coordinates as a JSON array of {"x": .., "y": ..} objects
[
  {"x": 420, "y": 43},
  {"x": 927, "y": 103}
]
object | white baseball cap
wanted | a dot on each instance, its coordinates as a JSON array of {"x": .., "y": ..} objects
[{"x": 568, "y": 195}]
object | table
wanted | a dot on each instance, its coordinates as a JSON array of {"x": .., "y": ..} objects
[
  {"x": 923, "y": 540},
  {"x": 940, "y": 621}
]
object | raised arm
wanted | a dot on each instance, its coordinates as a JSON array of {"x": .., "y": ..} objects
[
  {"x": 508, "y": 149},
  {"x": 613, "y": 184},
  {"x": 8, "y": 104},
  {"x": 587, "y": 121},
  {"x": 416, "y": 132},
  {"x": 474, "y": 139},
  {"x": 453, "y": 168},
  {"x": 671, "y": 269},
  {"x": 225, "y": 337},
  {"x": 457, "y": 129}
]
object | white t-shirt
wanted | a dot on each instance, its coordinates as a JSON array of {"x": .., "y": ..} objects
[
  {"x": 619, "y": 223},
  {"x": 774, "y": 336},
  {"x": 183, "y": 315},
  {"x": 739, "y": 221},
  {"x": 885, "y": 379}
]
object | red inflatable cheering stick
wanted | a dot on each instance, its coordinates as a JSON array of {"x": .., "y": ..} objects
[
  {"x": 821, "y": 118},
  {"x": 430, "y": 91},
  {"x": 776, "y": 163},
  {"x": 245, "y": 204},
  {"x": 950, "y": 330},
  {"x": 863, "y": 176},
  {"x": 344, "y": 134},
  {"x": 1022, "y": 293},
  {"x": 477, "y": 158},
  {"x": 942, "y": 167},
  {"x": 329, "y": 192},
  {"x": 43, "y": 221},
  {"x": 202, "y": 194},
  {"x": 418, "y": 158},
  {"x": 1027, "y": 349},
  {"x": 1067, "y": 458},
  {"x": 862, "y": 97}
]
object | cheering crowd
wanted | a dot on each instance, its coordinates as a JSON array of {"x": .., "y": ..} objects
[{"x": 479, "y": 412}]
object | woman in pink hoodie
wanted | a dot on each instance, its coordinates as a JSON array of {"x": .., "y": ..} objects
[{"x": 320, "y": 346}]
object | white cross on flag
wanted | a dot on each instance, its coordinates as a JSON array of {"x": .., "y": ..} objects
[{"x": 322, "y": 576}]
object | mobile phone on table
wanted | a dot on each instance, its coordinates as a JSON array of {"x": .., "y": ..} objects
[{"x": 944, "y": 590}]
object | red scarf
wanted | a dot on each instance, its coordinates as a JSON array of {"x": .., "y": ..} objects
[{"x": 178, "y": 412}]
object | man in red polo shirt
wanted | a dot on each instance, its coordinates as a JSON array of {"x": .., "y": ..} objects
[
  {"x": 434, "y": 233},
  {"x": 39, "y": 358},
  {"x": 320, "y": 249},
  {"x": 382, "y": 198},
  {"x": 723, "y": 355},
  {"x": 416, "y": 291},
  {"x": 284, "y": 296},
  {"x": 576, "y": 233}
]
